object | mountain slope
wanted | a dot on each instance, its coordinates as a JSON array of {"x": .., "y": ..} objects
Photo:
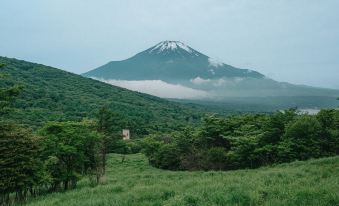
[
  {"x": 174, "y": 63},
  {"x": 50, "y": 94}
]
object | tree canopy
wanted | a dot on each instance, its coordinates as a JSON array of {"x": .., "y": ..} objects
[{"x": 247, "y": 141}]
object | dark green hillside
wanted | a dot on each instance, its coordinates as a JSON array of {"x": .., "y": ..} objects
[{"x": 52, "y": 94}]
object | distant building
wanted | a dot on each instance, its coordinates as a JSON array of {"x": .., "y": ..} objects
[{"x": 125, "y": 134}]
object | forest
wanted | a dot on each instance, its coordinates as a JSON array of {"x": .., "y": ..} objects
[{"x": 50, "y": 94}]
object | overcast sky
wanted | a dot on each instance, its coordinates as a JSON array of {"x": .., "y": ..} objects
[{"x": 288, "y": 40}]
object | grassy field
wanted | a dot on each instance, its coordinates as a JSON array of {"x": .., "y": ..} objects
[{"x": 134, "y": 182}]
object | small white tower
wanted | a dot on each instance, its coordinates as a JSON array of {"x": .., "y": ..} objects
[{"x": 125, "y": 134}]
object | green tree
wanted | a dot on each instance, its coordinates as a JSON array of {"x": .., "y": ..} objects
[
  {"x": 274, "y": 128},
  {"x": 215, "y": 158},
  {"x": 211, "y": 133},
  {"x": 20, "y": 167},
  {"x": 71, "y": 149},
  {"x": 167, "y": 157},
  {"x": 303, "y": 137},
  {"x": 242, "y": 153},
  {"x": 329, "y": 141},
  {"x": 7, "y": 94},
  {"x": 151, "y": 147},
  {"x": 110, "y": 125}
]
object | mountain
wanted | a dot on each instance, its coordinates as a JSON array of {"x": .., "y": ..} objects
[
  {"x": 172, "y": 69},
  {"x": 51, "y": 94},
  {"x": 169, "y": 61}
]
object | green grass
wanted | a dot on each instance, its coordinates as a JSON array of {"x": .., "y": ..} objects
[{"x": 134, "y": 182}]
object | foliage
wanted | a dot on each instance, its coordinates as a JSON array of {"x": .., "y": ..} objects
[
  {"x": 71, "y": 149},
  {"x": 20, "y": 167},
  {"x": 7, "y": 94},
  {"x": 110, "y": 124},
  {"x": 303, "y": 137},
  {"x": 247, "y": 141}
]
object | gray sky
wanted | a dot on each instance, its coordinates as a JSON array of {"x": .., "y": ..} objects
[{"x": 288, "y": 40}]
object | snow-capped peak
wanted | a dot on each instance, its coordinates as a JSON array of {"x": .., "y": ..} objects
[{"x": 170, "y": 45}]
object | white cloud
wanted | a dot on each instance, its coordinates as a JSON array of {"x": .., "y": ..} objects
[
  {"x": 227, "y": 81},
  {"x": 199, "y": 80},
  {"x": 159, "y": 88},
  {"x": 217, "y": 82},
  {"x": 215, "y": 62}
]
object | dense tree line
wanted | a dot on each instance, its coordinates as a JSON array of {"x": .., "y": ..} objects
[{"x": 247, "y": 141}]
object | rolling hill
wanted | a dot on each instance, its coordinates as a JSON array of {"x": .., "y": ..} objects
[{"x": 51, "y": 94}]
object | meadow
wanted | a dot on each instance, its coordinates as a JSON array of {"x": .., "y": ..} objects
[{"x": 130, "y": 180}]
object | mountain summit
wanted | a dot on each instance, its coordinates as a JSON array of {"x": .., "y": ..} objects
[
  {"x": 178, "y": 67},
  {"x": 173, "y": 47},
  {"x": 170, "y": 46}
]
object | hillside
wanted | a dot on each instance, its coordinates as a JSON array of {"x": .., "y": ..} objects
[
  {"x": 133, "y": 182},
  {"x": 51, "y": 94}
]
